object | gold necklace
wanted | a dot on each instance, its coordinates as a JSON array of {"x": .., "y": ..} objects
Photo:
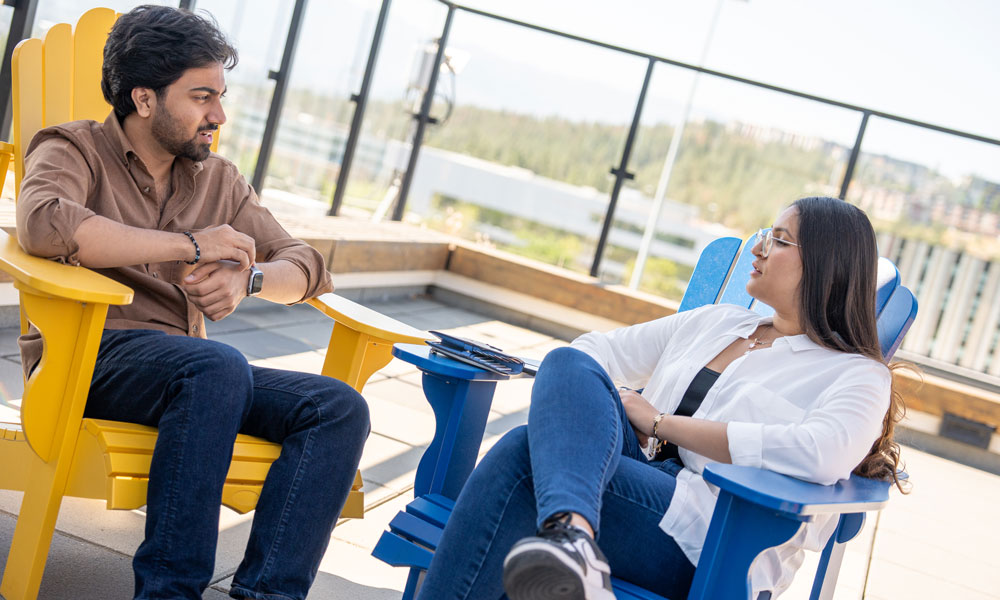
[{"x": 756, "y": 343}]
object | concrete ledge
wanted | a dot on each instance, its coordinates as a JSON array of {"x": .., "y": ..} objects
[
  {"x": 921, "y": 431},
  {"x": 936, "y": 395},
  {"x": 515, "y": 307},
  {"x": 558, "y": 286}
]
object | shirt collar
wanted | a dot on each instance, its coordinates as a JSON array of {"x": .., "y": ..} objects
[
  {"x": 123, "y": 146},
  {"x": 797, "y": 343},
  {"x": 117, "y": 138}
]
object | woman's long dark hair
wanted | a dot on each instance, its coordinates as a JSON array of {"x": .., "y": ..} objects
[{"x": 837, "y": 302}]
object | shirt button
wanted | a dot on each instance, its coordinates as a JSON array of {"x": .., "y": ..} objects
[
  {"x": 195, "y": 329},
  {"x": 145, "y": 190},
  {"x": 156, "y": 275}
]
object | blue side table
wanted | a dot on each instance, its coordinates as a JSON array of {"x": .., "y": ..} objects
[{"x": 460, "y": 395}]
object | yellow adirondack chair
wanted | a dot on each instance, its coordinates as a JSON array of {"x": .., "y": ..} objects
[{"x": 55, "y": 452}]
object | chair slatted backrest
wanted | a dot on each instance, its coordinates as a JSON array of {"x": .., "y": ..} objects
[
  {"x": 723, "y": 270},
  {"x": 58, "y": 79}
]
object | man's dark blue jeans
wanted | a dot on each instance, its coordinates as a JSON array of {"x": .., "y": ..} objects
[{"x": 200, "y": 394}]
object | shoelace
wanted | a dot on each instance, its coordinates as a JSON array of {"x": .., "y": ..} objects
[{"x": 558, "y": 528}]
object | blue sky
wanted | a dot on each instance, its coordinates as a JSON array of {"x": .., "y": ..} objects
[{"x": 929, "y": 60}]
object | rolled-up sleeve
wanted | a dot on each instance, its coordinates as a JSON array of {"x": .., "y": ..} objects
[
  {"x": 51, "y": 204},
  {"x": 832, "y": 438},
  {"x": 274, "y": 243}
]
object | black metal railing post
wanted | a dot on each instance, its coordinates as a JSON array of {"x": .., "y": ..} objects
[
  {"x": 360, "y": 101},
  {"x": 423, "y": 117},
  {"x": 855, "y": 153},
  {"x": 187, "y": 4},
  {"x": 280, "y": 77},
  {"x": 621, "y": 172},
  {"x": 20, "y": 29}
]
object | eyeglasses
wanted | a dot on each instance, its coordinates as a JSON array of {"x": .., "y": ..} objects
[{"x": 766, "y": 240}]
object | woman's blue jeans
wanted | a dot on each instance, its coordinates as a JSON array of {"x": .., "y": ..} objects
[
  {"x": 577, "y": 453},
  {"x": 200, "y": 393}
]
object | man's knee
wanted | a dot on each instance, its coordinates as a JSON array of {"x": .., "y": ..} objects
[
  {"x": 341, "y": 404},
  {"x": 221, "y": 361},
  {"x": 220, "y": 374}
]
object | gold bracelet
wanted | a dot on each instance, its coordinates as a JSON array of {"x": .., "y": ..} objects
[{"x": 656, "y": 423}]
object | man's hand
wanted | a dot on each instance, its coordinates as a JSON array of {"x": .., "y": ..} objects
[
  {"x": 640, "y": 414},
  {"x": 216, "y": 288},
  {"x": 225, "y": 243}
]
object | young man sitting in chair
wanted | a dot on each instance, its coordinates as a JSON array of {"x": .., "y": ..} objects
[{"x": 140, "y": 198}]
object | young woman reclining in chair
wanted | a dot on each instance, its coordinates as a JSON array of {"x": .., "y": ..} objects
[{"x": 805, "y": 393}]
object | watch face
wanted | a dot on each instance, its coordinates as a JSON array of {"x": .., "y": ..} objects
[{"x": 256, "y": 282}]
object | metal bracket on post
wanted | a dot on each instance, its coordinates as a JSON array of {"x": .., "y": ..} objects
[
  {"x": 360, "y": 101},
  {"x": 855, "y": 153},
  {"x": 621, "y": 172},
  {"x": 280, "y": 77},
  {"x": 423, "y": 118}
]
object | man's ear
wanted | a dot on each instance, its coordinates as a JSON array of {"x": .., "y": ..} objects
[{"x": 145, "y": 101}]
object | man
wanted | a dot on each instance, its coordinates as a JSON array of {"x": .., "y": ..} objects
[{"x": 141, "y": 199}]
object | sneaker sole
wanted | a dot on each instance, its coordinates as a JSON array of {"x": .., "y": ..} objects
[{"x": 541, "y": 575}]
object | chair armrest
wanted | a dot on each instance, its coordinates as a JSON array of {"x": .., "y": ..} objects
[
  {"x": 367, "y": 321},
  {"x": 796, "y": 497},
  {"x": 55, "y": 279},
  {"x": 6, "y": 156}
]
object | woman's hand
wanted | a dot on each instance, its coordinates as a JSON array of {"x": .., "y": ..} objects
[{"x": 640, "y": 414}]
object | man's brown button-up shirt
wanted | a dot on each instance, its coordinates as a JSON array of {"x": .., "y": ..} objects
[{"x": 80, "y": 169}]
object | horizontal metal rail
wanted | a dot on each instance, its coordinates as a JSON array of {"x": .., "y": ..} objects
[{"x": 759, "y": 84}]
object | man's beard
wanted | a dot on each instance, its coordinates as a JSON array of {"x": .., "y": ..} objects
[{"x": 168, "y": 134}]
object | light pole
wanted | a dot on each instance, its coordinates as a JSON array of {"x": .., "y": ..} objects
[{"x": 668, "y": 164}]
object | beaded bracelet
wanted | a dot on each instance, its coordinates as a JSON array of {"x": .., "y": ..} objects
[{"x": 197, "y": 249}]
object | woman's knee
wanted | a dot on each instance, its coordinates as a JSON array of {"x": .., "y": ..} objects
[
  {"x": 565, "y": 358},
  {"x": 565, "y": 374},
  {"x": 570, "y": 365}
]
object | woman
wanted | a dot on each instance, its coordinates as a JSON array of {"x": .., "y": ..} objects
[{"x": 805, "y": 393}]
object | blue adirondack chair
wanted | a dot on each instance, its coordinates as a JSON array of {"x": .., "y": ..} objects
[{"x": 756, "y": 509}]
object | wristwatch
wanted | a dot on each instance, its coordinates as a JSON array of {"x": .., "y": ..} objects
[{"x": 256, "y": 281}]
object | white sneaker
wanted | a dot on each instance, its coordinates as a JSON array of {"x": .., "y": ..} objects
[{"x": 561, "y": 563}]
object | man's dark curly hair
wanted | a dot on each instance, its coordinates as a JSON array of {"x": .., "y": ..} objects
[{"x": 152, "y": 46}]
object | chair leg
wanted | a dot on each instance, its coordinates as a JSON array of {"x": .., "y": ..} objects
[
  {"x": 413, "y": 581},
  {"x": 36, "y": 522}
]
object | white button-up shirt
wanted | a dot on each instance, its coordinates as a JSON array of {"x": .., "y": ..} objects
[{"x": 794, "y": 407}]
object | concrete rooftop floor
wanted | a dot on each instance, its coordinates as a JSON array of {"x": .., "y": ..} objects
[{"x": 941, "y": 541}]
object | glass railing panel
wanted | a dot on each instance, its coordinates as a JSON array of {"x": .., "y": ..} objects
[
  {"x": 6, "y": 15},
  {"x": 50, "y": 12},
  {"x": 522, "y": 161},
  {"x": 384, "y": 144},
  {"x": 744, "y": 154},
  {"x": 935, "y": 201},
  {"x": 258, "y": 29},
  {"x": 312, "y": 133}
]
